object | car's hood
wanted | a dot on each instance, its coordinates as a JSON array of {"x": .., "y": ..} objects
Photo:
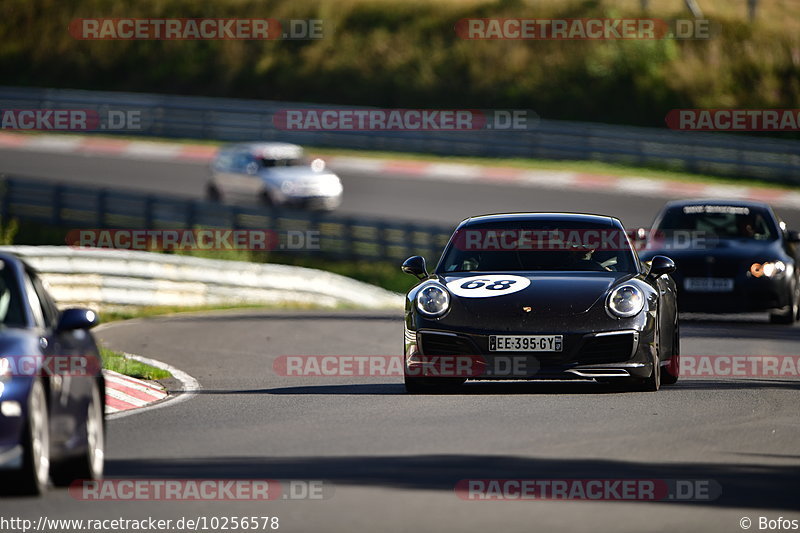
[
  {"x": 722, "y": 248},
  {"x": 548, "y": 295},
  {"x": 301, "y": 174}
]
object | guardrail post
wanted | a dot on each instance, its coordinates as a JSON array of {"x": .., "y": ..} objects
[
  {"x": 191, "y": 213},
  {"x": 58, "y": 191},
  {"x": 102, "y": 202},
  {"x": 148, "y": 212},
  {"x": 5, "y": 190}
]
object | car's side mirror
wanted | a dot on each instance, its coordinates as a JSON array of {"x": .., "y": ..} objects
[
  {"x": 76, "y": 318},
  {"x": 661, "y": 265},
  {"x": 415, "y": 265},
  {"x": 793, "y": 235}
]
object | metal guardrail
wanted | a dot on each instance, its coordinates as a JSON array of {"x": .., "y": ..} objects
[
  {"x": 340, "y": 237},
  {"x": 106, "y": 279},
  {"x": 238, "y": 119}
]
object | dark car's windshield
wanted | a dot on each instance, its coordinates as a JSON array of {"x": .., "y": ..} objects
[
  {"x": 720, "y": 221},
  {"x": 269, "y": 163},
  {"x": 10, "y": 298},
  {"x": 538, "y": 245}
]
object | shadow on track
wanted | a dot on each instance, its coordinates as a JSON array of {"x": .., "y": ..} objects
[
  {"x": 506, "y": 388},
  {"x": 743, "y": 485}
]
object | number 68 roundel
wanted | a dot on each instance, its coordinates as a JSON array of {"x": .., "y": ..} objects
[{"x": 487, "y": 286}]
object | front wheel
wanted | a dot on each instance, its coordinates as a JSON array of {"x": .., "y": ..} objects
[
  {"x": 653, "y": 382},
  {"x": 789, "y": 315},
  {"x": 213, "y": 193},
  {"x": 672, "y": 371},
  {"x": 35, "y": 473},
  {"x": 88, "y": 465}
]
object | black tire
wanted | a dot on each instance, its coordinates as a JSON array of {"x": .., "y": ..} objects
[
  {"x": 88, "y": 465},
  {"x": 653, "y": 382},
  {"x": 789, "y": 315},
  {"x": 667, "y": 377},
  {"x": 213, "y": 193},
  {"x": 34, "y": 476}
]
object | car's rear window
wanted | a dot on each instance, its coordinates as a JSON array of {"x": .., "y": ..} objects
[{"x": 538, "y": 245}]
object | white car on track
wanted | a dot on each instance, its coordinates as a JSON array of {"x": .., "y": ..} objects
[{"x": 273, "y": 174}]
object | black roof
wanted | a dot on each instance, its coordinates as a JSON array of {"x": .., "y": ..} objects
[
  {"x": 583, "y": 218},
  {"x": 717, "y": 201}
]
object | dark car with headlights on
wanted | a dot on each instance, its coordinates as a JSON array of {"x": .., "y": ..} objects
[
  {"x": 541, "y": 296},
  {"x": 731, "y": 257},
  {"x": 52, "y": 392}
]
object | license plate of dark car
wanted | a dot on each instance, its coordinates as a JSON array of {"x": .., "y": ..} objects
[
  {"x": 708, "y": 284},
  {"x": 526, "y": 343}
]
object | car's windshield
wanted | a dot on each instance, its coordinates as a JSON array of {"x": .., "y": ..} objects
[
  {"x": 720, "y": 221},
  {"x": 539, "y": 245},
  {"x": 10, "y": 300},
  {"x": 269, "y": 163}
]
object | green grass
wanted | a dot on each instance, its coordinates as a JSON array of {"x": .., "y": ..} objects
[
  {"x": 406, "y": 54},
  {"x": 117, "y": 362},
  {"x": 164, "y": 310}
]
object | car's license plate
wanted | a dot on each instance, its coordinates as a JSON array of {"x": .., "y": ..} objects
[
  {"x": 525, "y": 343},
  {"x": 708, "y": 284}
]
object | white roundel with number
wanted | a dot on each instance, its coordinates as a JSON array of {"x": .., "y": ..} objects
[{"x": 487, "y": 286}]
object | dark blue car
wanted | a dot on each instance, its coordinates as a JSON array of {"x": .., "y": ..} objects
[
  {"x": 52, "y": 392},
  {"x": 730, "y": 257}
]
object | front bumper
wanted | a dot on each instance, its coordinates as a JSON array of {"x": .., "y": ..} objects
[
  {"x": 586, "y": 355},
  {"x": 326, "y": 203},
  {"x": 748, "y": 295}
]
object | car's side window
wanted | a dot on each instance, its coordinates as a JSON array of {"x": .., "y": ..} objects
[
  {"x": 240, "y": 161},
  {"x": 224, "y": 161},
  {"x": 49, "y": 309},
  {"x": 33, "y": 302}
]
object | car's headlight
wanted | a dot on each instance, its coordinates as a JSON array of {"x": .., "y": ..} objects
[
  {"x": 769, "y": 269},
  {"x": 433, "y": 300},
  {"x": 625, "y": 301}
]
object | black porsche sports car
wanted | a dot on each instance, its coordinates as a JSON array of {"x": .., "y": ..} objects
[
  {"x": 52, "y": 392},
  {"x": 541, "y": 296},
  {"x": 732, "y": 256}
]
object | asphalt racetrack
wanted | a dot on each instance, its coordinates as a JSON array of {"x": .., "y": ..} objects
[
  {"x": 391, "y": 461},
  {"x": 393, "y": 196}
]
